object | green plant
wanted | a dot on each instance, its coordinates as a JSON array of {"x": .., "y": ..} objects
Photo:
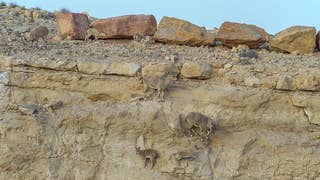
[
  {"x": 64, "y": 10},
  {"x": 13, "y": 5},
  {"x": 2, "y": 3}
]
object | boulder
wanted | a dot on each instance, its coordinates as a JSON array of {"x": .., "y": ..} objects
[
  {"x": 124, "y": 69},
  {"x": 232, "y": 34},
  {"x": 126, "y": 26},
  {"x": 296, "y": 39},
  {"x": 155, "y": 69},
  {"x": 194, "y": 70},
  {"x": 73, "y": 25},
  {"x": 92, "y": 67},
  {"x": 308, "y": 81},
  {"x": 177, "y": 31},
  {"x": 318, "y": 40}
]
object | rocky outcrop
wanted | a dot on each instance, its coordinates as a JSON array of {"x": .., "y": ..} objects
[
  {"x": 233, "y": 34},
  {"x": 72, "y": 25},
  {"x": 177, "y": 31},
  {"x": 296, "y": 39},
  {"x": 69, "y": 120},
  {"x": 78, "y": 110},
  {"x": 126, "y": 26}
]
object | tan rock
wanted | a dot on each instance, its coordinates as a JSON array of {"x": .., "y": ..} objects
[
  {"x": 308, "y": 81},
  {"x": 233, "y": 34},
  {"x": 177, "y": 31},
  {"x": 312, "y": 110},
  {"x": 285, "y": 82},
  {"x": 126, "y": 26},
  {"x": 193, "y": 70},
  {"x": 155, "y": 69},
  {"x": 318, "y": 40},
  {"x": 252, "y": 81},
  {"x": 92, "y": 67},
  {"x": 125, "y": 69},
  {"x": 36, "y": 14},
  {"x": 296, "y": 39},
  {"x": 74, "y": 25},
  {"x": 299, "y": 100}
]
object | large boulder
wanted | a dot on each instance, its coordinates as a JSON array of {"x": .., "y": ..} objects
[
  {"x": 125, "y": 26},
  {"x": 296, "y": 39},
  {"x": 318, "y": 40},
  {"x": 195, "y": 70},
  {"x": 73, "y": 25},
  {"x": 177, "y": 31},
  {"x": 232, "y": 34}
]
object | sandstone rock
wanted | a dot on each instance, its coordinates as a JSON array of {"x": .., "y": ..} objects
[
  {"x": 126, "y": 26},
  {"x": 252, "y": 81},
  {"x": 74, "y": 25},
  {"x": 318, "y": 40},
  {"x": 125, "y": 69},
  {"x": 177, "y": 31},
  {"x": 193, "y": 70},
  {"x": 92, "y": 67},
  {"x": 308, "y": 81},
  {"x": 312, "y": 110},
  {"x": 299, "y": 100},
  {"x": 233, "y": 34},
  {"x": 285, "y": 82},
  {"x": 36, "y": 14},
  {"x": 155, "y": 69},
  {"x": 296, "y": 39}
]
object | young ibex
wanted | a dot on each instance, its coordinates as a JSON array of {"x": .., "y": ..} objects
[
  {"x": 196, "y": 121},
  {"x": 150, "y": 154},
  {"x": 92, "y": 34},
  {"x": 159, "y": 83},
  {"x": 40, "y": 32}
]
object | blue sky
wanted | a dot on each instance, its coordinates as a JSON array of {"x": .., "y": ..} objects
[{"x": 272, "y": 15}]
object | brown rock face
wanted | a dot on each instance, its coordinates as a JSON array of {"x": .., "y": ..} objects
[
  {"x": 177, "y": 31},
  {"x": 233, "y": 34},
  {"x": 126, "y": 26},
  {"x": 74, "y": 25},
  {"x": 318, "y": 40},
  {"x": 296, "y": 39}
]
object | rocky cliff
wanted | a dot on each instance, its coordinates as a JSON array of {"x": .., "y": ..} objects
[{"x": 77, "y": 110}]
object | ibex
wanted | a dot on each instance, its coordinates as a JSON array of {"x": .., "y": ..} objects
[
  {"x": 40, "y": 32},
  {"x": 150, "y": 154},
  {"x": 204, "y": 124},
  {"x": 159, "y": 83}
]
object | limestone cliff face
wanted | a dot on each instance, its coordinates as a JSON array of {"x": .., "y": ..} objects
[
  {"x": 64, "y": 119},
  {"x": 74, "y": 110}
]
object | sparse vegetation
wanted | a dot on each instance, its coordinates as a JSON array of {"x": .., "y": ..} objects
[
  {"x": 2, "y": 3},
  {"x": 64, "y": 10},
  {"x": 13, "y": 5}
]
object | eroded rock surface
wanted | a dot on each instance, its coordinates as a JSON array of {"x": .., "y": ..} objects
[
  {"x": 77, "y": 110},
  {"x": 232, "y": 34},
  {"x": 126, "y": 26},
  {"x": 177, "y": 31},
  {"x": 296, "y": 39},
  {"x": 72, "y": 25}
]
